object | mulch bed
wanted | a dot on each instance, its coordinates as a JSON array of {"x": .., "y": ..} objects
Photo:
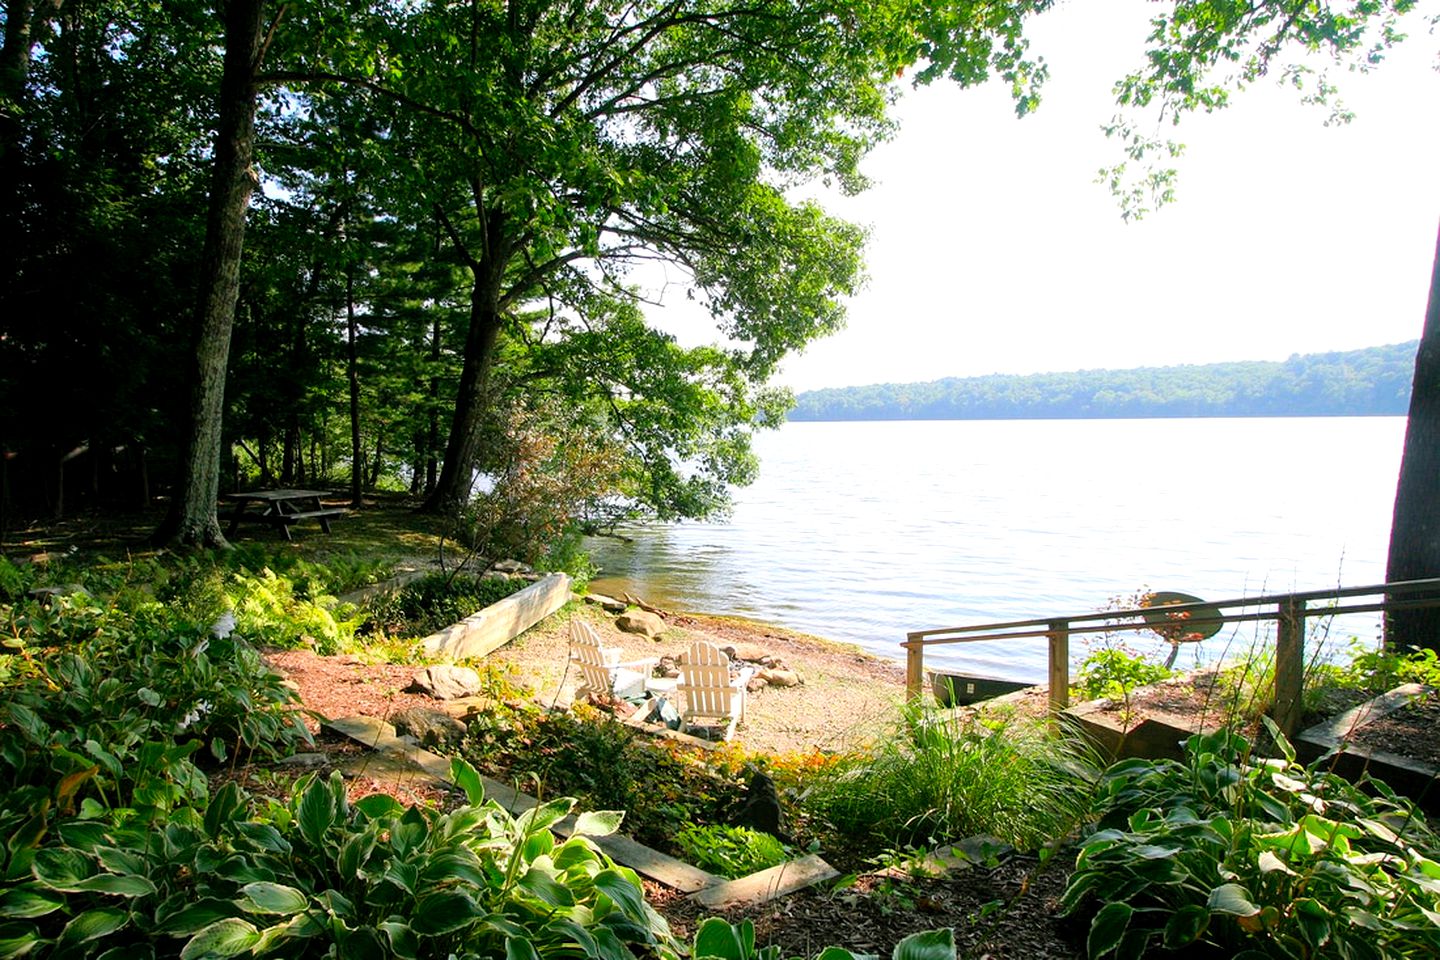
[
  {"x": 1409, "y": 731},
  {"x": 1009, "y": 911}
]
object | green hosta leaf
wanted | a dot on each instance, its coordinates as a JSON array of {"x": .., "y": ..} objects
[
  {"x": 26, "y": 903},
  {"x": 544, "y": 816},
  {"x": 468, "y": 779},
  {"x": 403, "y": 942},
  {"x": 517, "y": 948},
  {"x": 931, "y": 945},
  {"x": 717, "y": 939},
  {"x": 379, "y": 806},
  {"x": 195, "y": 917},
  {"x": 1270, "y": 863},
  {"x": 118, "y": 885},
  {"x": 574, "y": 933},
  {"x": 297, "y": 927},
  {"x": 542, "y": 885},
  {"x": 264, "y": 836},
  {"x": 227, "y": 806},
  {"x": 1185, "y": 926},
  {"x": 17, "y": 939},
  {"x": 1314, "y": 921},
  {"x": 840, "y": 953},
  {"x": 625, "y": 894},
  {"x": 445, "y": 912},
  {"x": 272, "y": 898},
  {"x": 363, "y": 943},
  {"x": 599, "y": 823},
  {"x": 1232, "y": 899},
  {"x": 317, "y": 813},
  {"x": 223, "y": 938},
  {"x": 1152, "y": 851},
  {"x": 537, "y": 845},
  {"x": 122, "y": 861},
  {"x": 91, "y": 925},
  {"x": 60, "y": 869},
  {"x": 1107, "y": 929}
]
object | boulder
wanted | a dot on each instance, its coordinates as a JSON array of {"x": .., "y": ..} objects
[
  {"x": 777, "y": 677},
  {"x": 750, "y": 652},
  {"x": 445, "y": 682},
  {"x": 306, "y": 761},
  {"x": 495, "y": 575},
  {"x": 430, "y": 728},
  {"x": 608, "y": 604},
  {"x": 511, "y": 566},
  {"x": 463, "y": 708},
  {"x": 641, "y": 622}
]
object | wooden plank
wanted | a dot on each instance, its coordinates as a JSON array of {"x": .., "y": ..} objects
[
  {"x": 914, "y": 671},
  {"x": 1337, "y": 730},
  {"x": 498, "y": 624},
  {"x": 766, "y": 885}
]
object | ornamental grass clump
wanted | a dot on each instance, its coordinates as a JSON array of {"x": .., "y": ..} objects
[{"x": 929, "y": 779}]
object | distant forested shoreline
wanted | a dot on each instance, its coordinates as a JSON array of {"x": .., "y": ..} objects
[{"x": 1371, "y": 382}]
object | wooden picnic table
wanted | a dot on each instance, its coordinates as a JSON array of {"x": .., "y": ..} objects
[{"x": 279, "y": 508}]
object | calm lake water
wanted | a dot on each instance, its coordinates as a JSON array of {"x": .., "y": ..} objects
[{"x": 864, "y": 531}]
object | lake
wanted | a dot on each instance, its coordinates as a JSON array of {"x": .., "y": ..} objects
[{"x": 864, "y": 531}]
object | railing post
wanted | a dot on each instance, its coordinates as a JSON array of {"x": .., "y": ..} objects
[
  {"x": 1289, "y": 665},
  {"x": 1059, "y": 632},
  {"x": 914, "y": 669}
]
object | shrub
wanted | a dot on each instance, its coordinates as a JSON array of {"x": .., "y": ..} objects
[
  {"x": 603, "y": 763},
  {"x": 1115, "y": 673},
  {"x": 434, "y": 602},
  {"x": 730, "y": 851},
  {"x": 928, "y": 779},
  {"x": 1270, "y": 856}
]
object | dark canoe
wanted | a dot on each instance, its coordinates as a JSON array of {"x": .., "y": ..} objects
[{"x": 959, "y": 689}]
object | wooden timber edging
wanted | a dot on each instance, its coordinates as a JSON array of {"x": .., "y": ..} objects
[
  {"x": 489, "y": 629},
  {"x": 711, "y": 891}
]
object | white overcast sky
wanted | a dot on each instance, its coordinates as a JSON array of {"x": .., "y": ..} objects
[{"x": 993, "y": 249}]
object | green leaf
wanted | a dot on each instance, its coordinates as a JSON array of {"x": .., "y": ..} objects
[
  {"x": 1270, "y": 863},
  {"x": 598, "y": 823},
  {"x": 17, "y": 939},
  {"x": 363, "y": 943},
  {"x": 272, "y": 898},
  {"x": 1185, "y": 926},
  {"x": 196, "y": 916},
  {"x": 120, "y": 886},
  {"x": 403, "y": 942},
  {"x": 1108, "y": 928},
  {"x": 541, "y": 885},
  {"x": 467, "y": 778},
  {"x": 317, "y": 813},
  {"x": 379, "y": 806},
  {"x": 445, "y": 912},
  {"x": 225, "y": 807},
  {"x": 91, "y": 925},
  {"x": 60, "y": 869},
  {"x": 619, "y": 889},
  {"x": 26, "y": 903},
  {"x": 930, "y": 945},
  {"x": 223, "y": 938},
  {"x": 517, "y": 948},
  {"x": 840, "y": 953},
  {"x": 264, "y": 836},
  {"x": 1232, "y": 899},
  {"x": 719, "y": 940}
]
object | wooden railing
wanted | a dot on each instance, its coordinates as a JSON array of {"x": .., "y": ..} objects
[{"x": 1288, "y": 610}]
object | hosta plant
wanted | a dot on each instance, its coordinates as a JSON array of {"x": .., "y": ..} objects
[
  {"x": 1263, "y": 858},
  {"x": 319, "y": 876}
]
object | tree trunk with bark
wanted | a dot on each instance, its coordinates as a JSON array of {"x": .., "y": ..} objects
[
  {"x": 352, "y": 372},
  {"x": 192, "y": 520},
  {"x": 1415, "y": 529},
  {"x": 452, "y": 488}
]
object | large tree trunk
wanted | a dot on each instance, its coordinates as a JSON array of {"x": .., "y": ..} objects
[
  {"x": 352, "y": 372},
  {"x": 192, "y": 519},
  {"x": 1415, "y": 530},
  {"x": 452, "y": 489},
  {"x": 432, "y": 432}
]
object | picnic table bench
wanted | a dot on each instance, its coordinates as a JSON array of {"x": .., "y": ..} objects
[{"x": 279, "y": 508}]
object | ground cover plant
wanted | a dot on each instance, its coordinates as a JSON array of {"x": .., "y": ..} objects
[
  {"x": 929, "y": 779},
  {"x": 587, "y": 754},
  {"x": 730, "y": 851},
  {"x": 1255, "y": 857}
]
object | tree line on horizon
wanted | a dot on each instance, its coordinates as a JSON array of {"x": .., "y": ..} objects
[{"x": 1375, "y": 381}]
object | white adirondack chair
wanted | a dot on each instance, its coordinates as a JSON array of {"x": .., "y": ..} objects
[
  {"x": 710, "y": 692},
  {"x": 601, "y": 668}
]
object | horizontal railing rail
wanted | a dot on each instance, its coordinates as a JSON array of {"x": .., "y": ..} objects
[{"x": 1288, "y": 610}]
